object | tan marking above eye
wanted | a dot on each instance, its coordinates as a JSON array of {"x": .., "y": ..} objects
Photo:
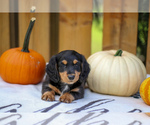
[
  {"x": 75, "y": 61},
  {"x": 64, "y": 62}
]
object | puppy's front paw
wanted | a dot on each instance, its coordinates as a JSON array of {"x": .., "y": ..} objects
[
  {"x": 67, "y": 98},
  {"x": 49, "y": 96}
]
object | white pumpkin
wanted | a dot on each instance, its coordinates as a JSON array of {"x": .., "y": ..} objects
[{"x": 115, "y": 73}]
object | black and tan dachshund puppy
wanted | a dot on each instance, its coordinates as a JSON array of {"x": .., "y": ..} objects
[{"x": 66, "y": 75}]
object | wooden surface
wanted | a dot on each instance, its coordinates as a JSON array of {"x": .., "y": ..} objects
[
  {"x": 54, "y": 39},
  {"x": 129, "y": 28},
  {"x": 4, "y": 6},
  {"x": 55, "y": 32},
  {"x": 4, "y": 27},
  {"x": 128, "y": 35},
  {"x": 111, "y": 30},
  {"x": 75, "y": 6},
  {"x": 120, "y": 29},
  {"x": 75, "y": 32},
  {"x": 112, "y": 24},
  {"x": 4, "y": 32},
  {"x": 13, "y": 22},
  {"x": 75, "y": 28},
  {"x": 112, "y": 6},
  {"x": 148, "y": 48},
  {"x": 41, "y": 6}
]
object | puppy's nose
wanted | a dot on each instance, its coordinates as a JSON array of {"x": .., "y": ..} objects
[{"x": 71, "y": 77}]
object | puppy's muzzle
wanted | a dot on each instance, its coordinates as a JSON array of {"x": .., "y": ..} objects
[{"x": 71, "y": 77}]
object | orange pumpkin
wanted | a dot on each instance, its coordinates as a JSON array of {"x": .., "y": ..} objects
[
  {"x": 145, "y": 91},
  {"x": 22, "y": 65}
]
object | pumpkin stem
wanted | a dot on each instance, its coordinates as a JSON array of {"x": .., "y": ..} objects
[
  {"x": 119, "y": 53},
  {"x": 27, "y": 37}
]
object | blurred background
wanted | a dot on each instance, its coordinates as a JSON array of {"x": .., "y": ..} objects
[{"x": 86, "y": 27}]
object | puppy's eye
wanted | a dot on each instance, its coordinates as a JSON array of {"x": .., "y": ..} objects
[{"x": 63, "y": 65}]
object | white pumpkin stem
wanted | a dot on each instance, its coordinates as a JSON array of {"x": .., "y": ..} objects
[{"x": 119, "y": 53}]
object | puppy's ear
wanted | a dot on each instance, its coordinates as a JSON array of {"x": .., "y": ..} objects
[
  {"x": 52, "y": 71},
  {"x": 84, "y": 70}
]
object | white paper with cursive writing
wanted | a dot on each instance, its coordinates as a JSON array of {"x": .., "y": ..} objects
[{"x": 22, "y": 105}]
